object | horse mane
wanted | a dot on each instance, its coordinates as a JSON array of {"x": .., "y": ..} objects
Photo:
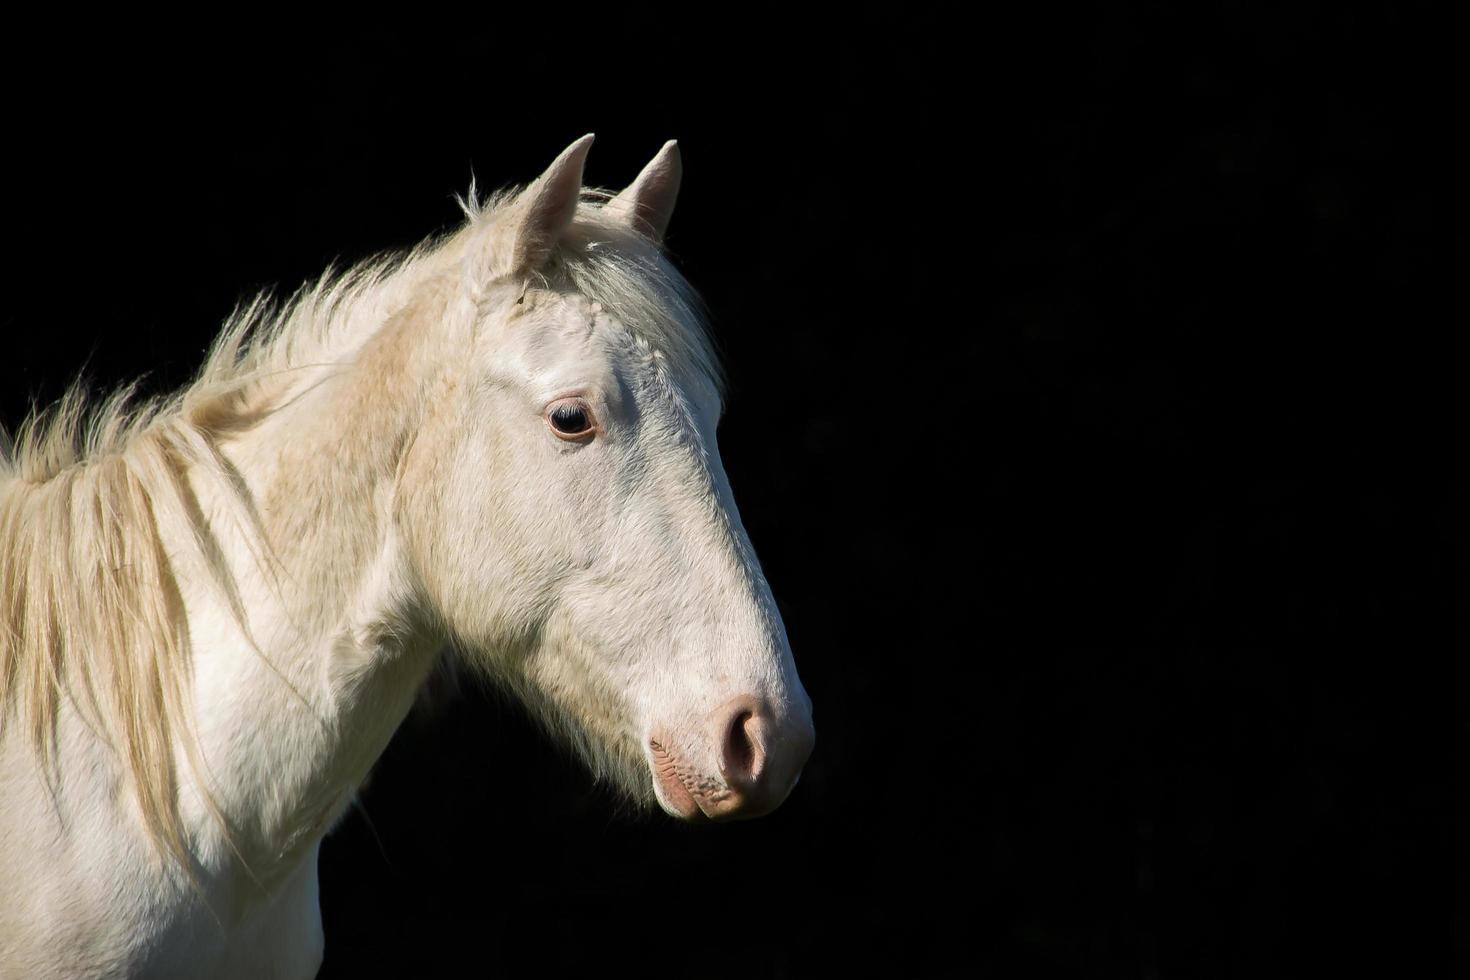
[{"x": 90, "y": 606}]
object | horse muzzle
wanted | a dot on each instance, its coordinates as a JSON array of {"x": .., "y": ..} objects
[{"x": 744, "y": 763}]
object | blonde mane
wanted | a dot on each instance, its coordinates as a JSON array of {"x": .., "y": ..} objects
[{"x": 90, "y": 606}]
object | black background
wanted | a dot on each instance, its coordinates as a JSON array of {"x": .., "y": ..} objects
[{"x": 1096, "y": 413}]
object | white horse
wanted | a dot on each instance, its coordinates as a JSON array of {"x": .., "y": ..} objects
[{"x": 216, "y": 609}]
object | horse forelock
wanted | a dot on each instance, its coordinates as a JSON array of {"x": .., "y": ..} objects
[{"x": 617, "y": 266}]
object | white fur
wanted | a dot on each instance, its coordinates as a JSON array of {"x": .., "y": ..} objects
[{"x": 351, "y": 483}]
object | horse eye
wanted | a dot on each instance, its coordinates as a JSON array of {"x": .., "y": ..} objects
[{"x": 570, "y": 420}]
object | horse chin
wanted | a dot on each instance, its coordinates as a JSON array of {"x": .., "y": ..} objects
[
  {"x": 675, "y": 799},
  {"x": 671, "y": 786}
]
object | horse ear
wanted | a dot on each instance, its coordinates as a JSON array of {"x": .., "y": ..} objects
[
  {"x": 544, "y": 209},
  {"x": 648, "y": 202}
]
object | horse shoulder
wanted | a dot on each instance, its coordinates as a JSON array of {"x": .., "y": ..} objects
[
  {"x": 77, "y": 889},
  {"x": 85, "y": 895}
]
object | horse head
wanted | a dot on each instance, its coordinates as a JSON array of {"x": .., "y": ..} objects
[{"x": 565, "y": 508}]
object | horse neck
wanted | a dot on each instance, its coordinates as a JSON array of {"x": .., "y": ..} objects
[{"x": 301, "y": 679}]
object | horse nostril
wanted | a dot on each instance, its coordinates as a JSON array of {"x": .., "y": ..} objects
[
  {"x": 760, "y": 755},
  {"x": 742, "y": 755}
]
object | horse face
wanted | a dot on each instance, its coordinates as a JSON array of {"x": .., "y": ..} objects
[{"x": 587, "y": 549}]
